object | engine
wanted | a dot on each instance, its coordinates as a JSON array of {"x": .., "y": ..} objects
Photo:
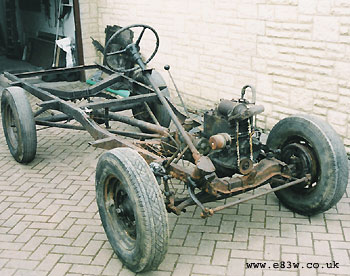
[
  {"x": 229, "y": 129},
  {"x": 227, "y": 137}
]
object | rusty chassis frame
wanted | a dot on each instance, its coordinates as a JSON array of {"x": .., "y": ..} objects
[{"x": 202, "y": 176}]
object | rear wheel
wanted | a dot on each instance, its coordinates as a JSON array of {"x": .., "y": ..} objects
[
  {"x": 18, "y": 124},
  {"x": 159, "y": 110},
  {"x": 132, "y": 209},
  {"x": 312, "y": 147}
]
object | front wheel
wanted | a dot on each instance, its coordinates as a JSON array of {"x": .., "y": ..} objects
[
  {"x": 132, "y": 209},
  {"x": 311, "y": 146}
]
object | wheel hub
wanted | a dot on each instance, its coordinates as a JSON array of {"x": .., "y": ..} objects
[
  {"x": 302, "y": 161},
  {"x": 125, "y": 213},
  {"x": 11, "y": 127},
  {"x": 120, "y": 207}
]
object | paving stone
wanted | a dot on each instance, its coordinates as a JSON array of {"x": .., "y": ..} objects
[
  {"x": 33, "y": 243},
  {"x": 49, "y": 262},
  {"x": 278, "y": 240},
  {"x": 328, "y": 236},
  {"x": 113, "y": 267},
  {"x": 14, "y": 254},
  {"x": 206, "y": 247},
  {"x": 220, "y": 257},
  {"x": 60, "y": 269},
  {"x": 182, "y": 250},
  {"x": 182, "y": 269},
  {"x": 246, "y": 254},
  {"x": 22, "y": 264},
  {"x": 258, "y": 215},
  {"x": 272, "y": 252},
  {"x": 41, "y": 252},
  {"x": 86, "y": 269},
  {"x": 92, "y": 248},
  {"x": 209, "y": 269},
  {"x": 236, "y": 266},
  {"x": 227, "y": 226},
  {"x": 169, "y": 262},
  {"x": 203, "y": 229},
  {"x": 240, "y": 234},
  {"x": 192, "y": 259},
  {"x": 341, "y": 256},
  {"x": 180, "y": 231},
  {"x": 76, "y": 259},
  {"x": 8, "y": 271},
  {"x": 256, "y": 242},
  {"x": 217, "y": 237},
  {"x": 193, "y": 239}
]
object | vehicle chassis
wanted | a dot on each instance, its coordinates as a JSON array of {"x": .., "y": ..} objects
[
  {"x": 305, "y": 164},
  {"x": 53, "y": 99}
]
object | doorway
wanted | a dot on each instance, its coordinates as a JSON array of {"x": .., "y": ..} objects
[{"x": 29, "y": 29}]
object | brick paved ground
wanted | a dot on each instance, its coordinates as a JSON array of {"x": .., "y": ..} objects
[{"x": 49, "y": 224}]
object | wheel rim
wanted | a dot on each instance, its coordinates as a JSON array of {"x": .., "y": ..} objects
[
  {"x": 11, "y": 127},
  {"x": 302, "y": 160},
  {"x": 120, "y": 212}
]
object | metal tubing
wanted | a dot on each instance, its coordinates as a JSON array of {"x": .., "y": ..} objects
[
  {"x": 195, "y": 199},
  {"x": 196, "y": 155},
  {"x": 139, "y": 123},
  {"x": 122, "y": 133},
  {"x": 55, "y": 71},
  {"x": 133, "y": 100},
  {"x": 298, "y": 181},
  {"x": 56, "y": 118},
  {"x": 40, "y": 111},
  {"x": 177, "y": 91},
  {"x": 149, "y": 110},
  {"x": 181, "y": 154},
  {"x": 135, "y": 134},
  {"x": 59, "y": 125}
]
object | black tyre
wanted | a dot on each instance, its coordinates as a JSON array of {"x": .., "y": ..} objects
[
  {"x": 18, "y": 124},
  {"x": 313, "y": 147},
  {"x": 132, "y": 209},
  {"x": 158, "y": 109}
]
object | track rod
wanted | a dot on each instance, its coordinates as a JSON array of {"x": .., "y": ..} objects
[{"x": 284, "y": 186}]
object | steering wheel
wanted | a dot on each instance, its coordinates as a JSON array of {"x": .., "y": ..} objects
[{"x": 131, "y": 50}]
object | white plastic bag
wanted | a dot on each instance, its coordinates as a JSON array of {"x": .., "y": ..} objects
[{"x": 66, "y": 45}]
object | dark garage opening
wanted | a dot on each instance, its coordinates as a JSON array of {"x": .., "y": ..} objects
[{"x": 29, "y": 29}]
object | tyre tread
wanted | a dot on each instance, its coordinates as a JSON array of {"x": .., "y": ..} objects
[{"x": 152, "y": 202}]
